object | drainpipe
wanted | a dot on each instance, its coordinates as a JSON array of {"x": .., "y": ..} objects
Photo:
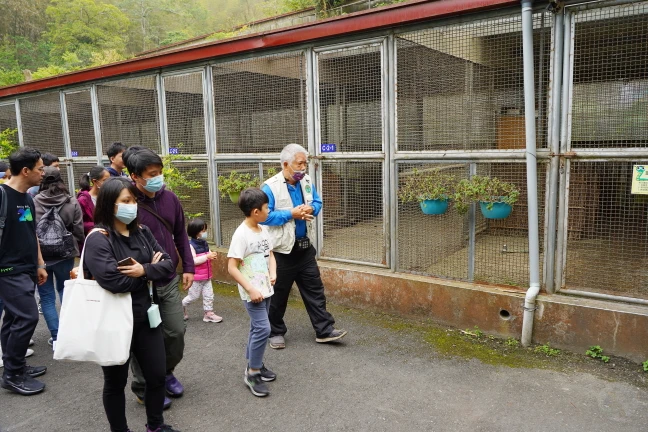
[{"x": 532, "y": 173}]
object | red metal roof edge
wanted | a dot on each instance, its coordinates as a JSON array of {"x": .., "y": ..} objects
[{"x": 398, "y": 14}]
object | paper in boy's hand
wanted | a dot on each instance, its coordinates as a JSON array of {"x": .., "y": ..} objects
[{"x": 254, "y": 268}]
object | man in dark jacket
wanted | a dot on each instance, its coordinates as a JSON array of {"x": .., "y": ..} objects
[
  {"x": 161, "y": 211},
  {"x": 115, "y": 154},
  {"x": 21, "y": 267}
]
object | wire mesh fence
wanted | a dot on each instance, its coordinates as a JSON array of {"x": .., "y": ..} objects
[
  {"x": 350, "y": 98},
  {"x": 129, "y": 113},
  {"x": 189, "y": 180},
  {"x": 610, "y": 91},
  {"x": 607, "y": 246},
  {"x": 41, "y": 123},
  {"x": 185, "y": 114},
  {"x": 260, "y": 103},
  {"x": 461, "y": 87},
  {"x": 80, "y": 124},
  {"x": 353, "y": 213},
  {"x": 441, "y": 245},
  {"x": 8, "y": 118},
  {"x": 230, "y": 214}
]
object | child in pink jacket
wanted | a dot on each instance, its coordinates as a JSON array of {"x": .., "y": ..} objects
[{"x": 197, "y": 232}]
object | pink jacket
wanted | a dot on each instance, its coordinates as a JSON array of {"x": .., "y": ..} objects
[{"x": 203, "y": 269}]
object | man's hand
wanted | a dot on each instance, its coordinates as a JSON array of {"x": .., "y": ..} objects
[
  {"x": 41, "y": 275},
  {"x": 187, "y": 280},
  {"x": 301, "y": 212}
]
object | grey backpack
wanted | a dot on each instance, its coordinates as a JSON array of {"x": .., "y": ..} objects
[{"x": 56, "y": 242}]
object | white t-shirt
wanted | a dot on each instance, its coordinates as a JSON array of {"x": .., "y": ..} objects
[{"x": 253, "y": 248}]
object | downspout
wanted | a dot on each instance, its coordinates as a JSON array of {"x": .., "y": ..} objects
[{"x": 532, "y": 172}]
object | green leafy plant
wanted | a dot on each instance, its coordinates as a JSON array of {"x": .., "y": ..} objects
[
  {"x": 179, "y": 181},
  {"x": 426, "y": 185},
  {"x": 512, "y": 342},
  {"x": 8, "y": 142},
  {"x": 645, "y": 366},
  {"x": 546, "y": 350},
  {"x": 485, "y": 189},
  {"x": 596, "y": 352},
  {"x": 236, "y": 182}
]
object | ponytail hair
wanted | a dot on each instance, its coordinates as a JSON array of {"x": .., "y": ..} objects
[{"x": 95, "y": 173}]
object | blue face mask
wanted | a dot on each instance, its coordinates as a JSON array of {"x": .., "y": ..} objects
[
  {"x": 154, "y": 184},
  {"x": 203, "y": 236},
  {"x": 126, "y": 213}
]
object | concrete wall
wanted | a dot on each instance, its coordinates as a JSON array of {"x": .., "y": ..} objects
[{"x": 568, "y": 323}]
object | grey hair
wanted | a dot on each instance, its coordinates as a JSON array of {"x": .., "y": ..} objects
[{"x": 290, "y": 151}]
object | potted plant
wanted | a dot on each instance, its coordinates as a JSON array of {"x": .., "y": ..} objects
[
  {"x": 235, "y": 183},
  {"x": 496, "y": 197},
  {"x": 431, "y": 189}
]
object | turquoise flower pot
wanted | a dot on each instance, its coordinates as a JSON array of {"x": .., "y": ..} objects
[
  {"x": 434, "y": 207},
  {"x": 500, "y": 210}
]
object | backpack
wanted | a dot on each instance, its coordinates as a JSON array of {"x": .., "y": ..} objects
[{"x": 56, "y": 242}]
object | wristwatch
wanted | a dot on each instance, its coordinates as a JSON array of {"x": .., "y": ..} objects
[{"x": 42, "y": 266}]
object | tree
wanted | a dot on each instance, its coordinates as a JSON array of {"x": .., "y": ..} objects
[
  {"x": 155, "y": 21},
  {"x": 83, "y": 27},
  {"x": 8, "y": 142}
]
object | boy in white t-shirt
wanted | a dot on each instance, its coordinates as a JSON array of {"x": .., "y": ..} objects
[{"x": 252, "y": 264}]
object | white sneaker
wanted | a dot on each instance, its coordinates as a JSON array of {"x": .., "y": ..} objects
[{"x": 31, "y": 342}]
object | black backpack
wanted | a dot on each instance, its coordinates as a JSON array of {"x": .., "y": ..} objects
[{"x": 56, "y": 242}]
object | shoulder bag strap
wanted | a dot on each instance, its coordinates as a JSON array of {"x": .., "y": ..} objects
[
  {"x": 150, "y": 210},
  {"x": 3, "y": 210}
]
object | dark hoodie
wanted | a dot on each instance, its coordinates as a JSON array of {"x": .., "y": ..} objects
[
  {"x": 167, "y": 205},
  {"x": 70, "y": 213}
]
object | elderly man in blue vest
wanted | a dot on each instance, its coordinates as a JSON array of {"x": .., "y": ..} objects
[{"x": 293, "y": 205}]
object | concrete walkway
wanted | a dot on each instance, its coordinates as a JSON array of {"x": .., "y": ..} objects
[{"x": 379, "y": 379}]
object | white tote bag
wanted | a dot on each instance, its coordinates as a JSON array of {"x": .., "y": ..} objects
[{"x": 95, "y": 325}]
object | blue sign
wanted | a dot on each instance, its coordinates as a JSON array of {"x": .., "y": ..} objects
[
  {"x": 328, "y": 148},
  {"x": 173, "y": 150},
  {"x": 74, "y": 153}
]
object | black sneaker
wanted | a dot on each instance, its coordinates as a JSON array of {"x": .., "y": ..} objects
[
  {"x": 163, "y": 428},
  {"x": 331, "y": 337},
  {"x": 22, "y": 384},
  {"x": 35, "y": 371},
  {"x": 266, "y": 374},
  {"x": 256, "y": 384}
]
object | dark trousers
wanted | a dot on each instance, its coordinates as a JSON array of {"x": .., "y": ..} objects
[
  {"x": 300, "y": 267},
  {"x": 20, "y": 320},
  {"x": 148, "y": 348},
  {"x": 174, "y": 327}
]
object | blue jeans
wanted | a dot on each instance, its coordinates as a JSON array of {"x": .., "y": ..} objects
[
  {"x": 259, "y": 332},
  {"x": 56, "y": 274}
]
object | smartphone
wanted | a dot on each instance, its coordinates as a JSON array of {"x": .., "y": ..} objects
[{"x": 126, "y": 262}]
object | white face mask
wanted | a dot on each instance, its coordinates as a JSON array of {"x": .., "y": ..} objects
[{"x": 204, "y": 235}]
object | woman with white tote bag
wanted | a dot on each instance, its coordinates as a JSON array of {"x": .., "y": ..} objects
[{"x": 125, "y": 260}]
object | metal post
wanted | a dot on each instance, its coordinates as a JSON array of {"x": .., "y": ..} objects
[
  {"x": 210, "y": 142},
  {"x": 472, "y": 229},
  {"x": 554, "y": 145},
  {"x": 314, "y": 136},
  {"x": 162, "y": 115},
  {"x": 532, "y": 174},
  {"x": 21, "y": 142},
  {"x": 96, "y": 123},
  {"x": 561, "y": 237},
  {"x": 390, "y": 185},
  {"x": 66, "y": 141}
]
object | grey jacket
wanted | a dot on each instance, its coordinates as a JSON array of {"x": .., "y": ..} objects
[{"x": 70, "y": 213}]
